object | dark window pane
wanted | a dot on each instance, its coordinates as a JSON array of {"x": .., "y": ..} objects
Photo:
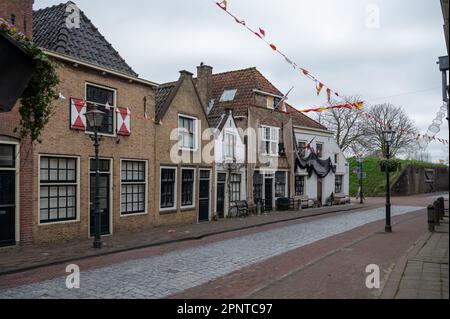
[
  {"x": 99, "y": 95},
  {"x": 7, "y": 156}
]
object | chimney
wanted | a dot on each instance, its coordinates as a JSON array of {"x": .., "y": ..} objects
[
  {"x": 204, "y": 84},
  {"x": 18, "y": 13}
]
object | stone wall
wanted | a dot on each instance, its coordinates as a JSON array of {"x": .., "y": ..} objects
[{"x": 421, "y": 180}]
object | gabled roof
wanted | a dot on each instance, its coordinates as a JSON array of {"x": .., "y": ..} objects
[
  {"x": 246, "y": 81},
  {"x": 84, "y": 43},
  {"x": 166, "y": 93}
]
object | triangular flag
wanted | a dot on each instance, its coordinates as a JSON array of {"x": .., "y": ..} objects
[
  {"x": 329, "y": 95},
  {"x": 263, "y": 33},
  {"x": 319, "y": 88},
  {"x": 223, "y": 4},
  {"x": 273, "y": 47},
  {"x": 305, "y": 72}
]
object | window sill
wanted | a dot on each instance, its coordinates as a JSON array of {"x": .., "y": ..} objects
[
  {"x": 168, "y": 212},
  {"x": 74, "y": 221},
  {"x": 122, "y": 215},
  {"x": 187, "y": 208}
]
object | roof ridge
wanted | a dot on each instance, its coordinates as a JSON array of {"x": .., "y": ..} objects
[
  {"x": 54, "y": 6},
  {"x": 235, "y": 71}
]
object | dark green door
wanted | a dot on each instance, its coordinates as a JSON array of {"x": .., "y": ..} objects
[
  {"x": 7, "y": 208},
  {"x": 203, "y": 210},
  {"x": 268, "y": 194},
  {"x": 221, "y": 180},
  {"x": 104, "y": 196}
]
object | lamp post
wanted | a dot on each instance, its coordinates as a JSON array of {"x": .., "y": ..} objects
[
  {"x": 360, "y": 160},
  {"x": 95, "y": 119},
  {"x": 388, "y": 139}
]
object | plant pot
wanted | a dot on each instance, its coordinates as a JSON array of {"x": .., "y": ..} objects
[{"x": 17, "y": 69}]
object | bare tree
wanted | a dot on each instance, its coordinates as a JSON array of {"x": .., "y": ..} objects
[
  {"x": 382, "y": 117},
  {"x": 347, "y": 124}
]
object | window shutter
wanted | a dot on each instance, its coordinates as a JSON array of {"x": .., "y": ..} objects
[
  {"x": 77, "y": 114},
  {"x": 123, "y": 121}
]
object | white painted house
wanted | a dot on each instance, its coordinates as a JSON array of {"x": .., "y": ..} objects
[
  {"x": 230, "y": 159},
  {"x": 324, "y": 144}
]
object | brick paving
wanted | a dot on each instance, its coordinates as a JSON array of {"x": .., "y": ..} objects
[
  {"x": 13, "y": 259},
  {"x": 176, "y": 271},
  {"x": 426, "y": 274}
]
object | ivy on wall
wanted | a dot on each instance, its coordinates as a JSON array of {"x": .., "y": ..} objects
[{"x": 35, "y": 106}]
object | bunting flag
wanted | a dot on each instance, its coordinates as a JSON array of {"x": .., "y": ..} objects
[
  {"x": 357, "y": 105},
  {"x": 261, "y": 34},
  {"x": 329, "y": 95},
  {"x": 429, "y": 139},
  {"x": 319, "y": 88}
]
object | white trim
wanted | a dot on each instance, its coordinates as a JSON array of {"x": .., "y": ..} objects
[
  {"x": 263, "y": 139},
  {"x": 17, "y": 186},
  {"x": 175, "y": 194},
  {"x": 146, "y": 188},
  {"x": 267, "y": 93},
  {"x": 307, "y": 130},
  {"x": 196, "y": 133},
  {"x": 111, "y": 193},
  {"x": 114, "y": 107},
  {"x": 193, "y": 206},
  {"x": 78, "y": 191},
  {"x": 96, "y": 67}
]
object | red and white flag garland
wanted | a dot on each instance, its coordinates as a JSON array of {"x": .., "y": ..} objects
[{"x": 261, "y": 34}]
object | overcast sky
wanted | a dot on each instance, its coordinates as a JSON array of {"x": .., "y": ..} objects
[{"x": 394, "y": 63}]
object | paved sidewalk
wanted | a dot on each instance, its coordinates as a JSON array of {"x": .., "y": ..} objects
[
  {"x": 426, "y": 273},
  {"x": 15, "y": 259}
]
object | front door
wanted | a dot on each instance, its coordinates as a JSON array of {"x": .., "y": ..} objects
[
  {"x": 268, "y": 193},
  {"x": 319, "y": 191},
  {"x": 221, "y": 180},
  {"x": 104, "y": 197},
  {"x": 7, "y": 208},
  {"x": 203, "y": 211},
  {"x": 7, "y": 195}
]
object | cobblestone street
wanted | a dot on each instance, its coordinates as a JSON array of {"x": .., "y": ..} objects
[{"x": 179, "y": 270}]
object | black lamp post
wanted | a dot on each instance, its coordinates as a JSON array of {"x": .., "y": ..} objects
[
  {"x": 95, "y": 119},
  {"x": 388, "y": 139},
  {"x": 360, "y": 160}
]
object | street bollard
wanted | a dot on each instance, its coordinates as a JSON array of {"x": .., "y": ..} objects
[
  {"x": 436, "y": 213},
  {"x": 441, "y": 208},
  {"x": 431, "y": 218}
]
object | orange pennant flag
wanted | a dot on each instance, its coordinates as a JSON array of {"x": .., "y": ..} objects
[{"x": 319, "y": 88}]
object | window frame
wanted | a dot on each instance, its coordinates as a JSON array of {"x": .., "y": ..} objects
[
  {"x": 271, "y": 141},
  {"x": 113, "y": 107},
  {"x": 194, "y": 182},
  {"x": 296, "y": 186},
  {"x": 145, "y": 183},
  {"x": 233, "y": 144},
  {"x": 49, "y": 184},
  {"x": 175, "y": 195},
  {"x": 238, "y": 190},
  {"x": 276, "y": 184},
  {"x": 231, "y": 99},
  {"x": 321, "y": 149},
  {"x": 195, "y": 133},
  {"x": 341, "y": 183}
]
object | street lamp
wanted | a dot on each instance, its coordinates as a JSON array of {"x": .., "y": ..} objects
[
  {"x": 360, "y": 160},
  {"x": 388, "y": 139},
  {"x": 95, "y": 119}
]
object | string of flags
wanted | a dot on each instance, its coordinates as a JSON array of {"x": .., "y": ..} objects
[
  {"x": 429, "y": 139},
  {"x": 357, "y": 105},
  {"x": 261, "y": 34}
]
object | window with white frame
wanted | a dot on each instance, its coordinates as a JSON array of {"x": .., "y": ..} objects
[
  {"x": 338, "y": 184},
  {"x": 187, "y": 187},
  {"x": 299, "y": 185},
  {"x": 235, "y": 187},
  {"x": 228, "y": 95},
  {"x": 230, "y": 145},
  {"x": 105, "y": 100},
  {"x": 168, "y": 180},
  {"x": 187, "y": 127},
  {"x": 133, "y": 187},
  {"x": 58, "y": 188},
  {"x": 269, "y": 140},
  {"x": 319, "y": 150},
  {"x": 280, "y": 184}
]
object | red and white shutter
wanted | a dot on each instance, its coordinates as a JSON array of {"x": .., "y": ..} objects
[
  {"x": 123, "y": 121},
  {"x": 77, "y": 114}
]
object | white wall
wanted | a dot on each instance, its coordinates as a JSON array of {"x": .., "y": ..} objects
[{"x": 330, "y": 149}]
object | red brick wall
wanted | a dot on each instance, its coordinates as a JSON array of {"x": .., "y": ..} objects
[{"x": 23, "y": 12}]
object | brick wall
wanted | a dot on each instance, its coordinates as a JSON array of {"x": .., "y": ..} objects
[
  {"x": 185, "y": 102},
  {"x": 59, "y": 139},
  {"x": 22, "y": 10}
]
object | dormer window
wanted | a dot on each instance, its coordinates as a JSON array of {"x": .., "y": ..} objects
[{"x": 228, "y": 95}]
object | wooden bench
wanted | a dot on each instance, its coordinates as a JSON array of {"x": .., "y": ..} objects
[
  {"x": 341, "y": 199},
  {"x": 304, "y": 201},
  {"x": 241, "y": 208}
]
